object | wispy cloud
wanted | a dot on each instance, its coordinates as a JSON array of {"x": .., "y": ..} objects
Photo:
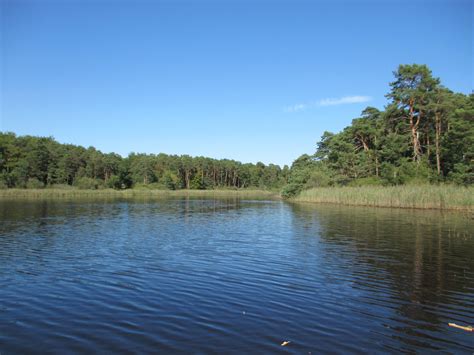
[
  {"x": 296, "y": 108},
  {"x": 344, "y": 100},
  {"x": 328, "y": 102}
]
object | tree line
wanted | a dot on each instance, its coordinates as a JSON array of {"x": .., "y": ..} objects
[
  {"x": 425, "y": 134},
  {"x": 36, "y": 162}
]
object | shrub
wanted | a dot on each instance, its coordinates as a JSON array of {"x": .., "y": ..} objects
[
  {"x": 367, "y": 181},
  {"x": 462, "y": 174},
  {"x": 318, "y": 178},
  {"x": 415, "y": 173},
  {"x": 291, "y": 190},
  {"x": 408, "y": 172},
  {"x": 85, "y": 183},
  {"x": 34, "y": 183},
  {"x": 198, "y": 183},
  {"x": 170, "y": 180},
  {"x": 114, "y": 182}
]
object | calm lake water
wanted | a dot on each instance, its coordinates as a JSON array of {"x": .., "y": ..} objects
[{"x": 232, "y": 276}]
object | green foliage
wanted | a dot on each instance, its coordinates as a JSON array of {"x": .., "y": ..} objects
[
  {"x": 462, "y": 174},
  {"x": 34, "y": 183},
  {"x": 425, "y": 135},
  {"x": 414, "y": 173},
  {"x": 170, "y": 180},
  {"x": 318, "y": 178},
  {"x": 367, "y": 181},
  {"x": 114, "y": 182},
  {"x": 51, "y": 163},
  {"x": 198, "y": 183},
  {"x": 86, "y": 183},
  {"x": 291, "y": 190}
]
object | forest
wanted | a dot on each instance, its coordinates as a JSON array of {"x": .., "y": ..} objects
[
  {"x": 37, "y": 162},
  {"x": 425, "y": 134}
]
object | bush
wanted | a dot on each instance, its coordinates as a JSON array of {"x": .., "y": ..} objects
[
  {"x": 408, "y": 172},
  {"x": 367, "y": 181},
  {"x": 170, "y": 180},
  {"x": 390, "y": 174},
  {"x": 318, "y": 178},
  {"x": 198, "y": 183},
  {"x": 85, "y": 183},
  {"x": 415, "y": 173},
  {"x": 114, "y": 182},
  {"x": 34, "y": 183},
  {"x": 291, "y": 190},
  {"x": 462, "y": 174}
]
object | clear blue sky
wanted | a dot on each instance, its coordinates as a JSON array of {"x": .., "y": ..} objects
[{"x": 246, "y": 80}]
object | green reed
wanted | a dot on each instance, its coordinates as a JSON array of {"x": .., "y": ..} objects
[{"x": 447, "y": 197}]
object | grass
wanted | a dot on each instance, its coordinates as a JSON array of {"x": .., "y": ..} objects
[
  {"x": 130, "y": 193},
  {"x": 443, "y": 197}
]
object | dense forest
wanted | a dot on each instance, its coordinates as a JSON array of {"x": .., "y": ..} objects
[
  {"x": 36, "y": 162},
  {"x": 425, "y": 134}
]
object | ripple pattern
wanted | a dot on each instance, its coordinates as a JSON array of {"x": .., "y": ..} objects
[{"x": 232, "y": 276}]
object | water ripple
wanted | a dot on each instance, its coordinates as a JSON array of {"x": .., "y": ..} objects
[{"x": 231, "y": 276}]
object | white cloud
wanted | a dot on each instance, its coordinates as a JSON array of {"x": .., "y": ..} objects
[
  {"x": 329, "y": 102},
  {"x": 296, "y": 108},
  {"x": 343, "y": 100}
]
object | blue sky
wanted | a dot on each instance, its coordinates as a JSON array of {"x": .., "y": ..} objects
[{"x": 246, "y": 80}]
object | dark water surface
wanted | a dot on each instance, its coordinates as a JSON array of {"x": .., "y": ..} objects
[{"x": 232, "y": 276}]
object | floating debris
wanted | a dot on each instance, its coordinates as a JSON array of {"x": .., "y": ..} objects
[
  {"x": 466, "y": 328},
  {"x": 285, "y": 343}
]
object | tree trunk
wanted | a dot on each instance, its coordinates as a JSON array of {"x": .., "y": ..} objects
[
  {"x": 437, "y": 142},
  {"x": 376, "y": 166},
  {"x": 366, "y": 147},
  {"x": 376, "y": 157},
  {"x": 428, "y": 150},
  {"x": 186, "y": 178},
  {"x": 414, "y": 133}
]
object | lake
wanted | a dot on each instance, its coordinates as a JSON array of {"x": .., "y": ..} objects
[{"x": 232, "y": 276}]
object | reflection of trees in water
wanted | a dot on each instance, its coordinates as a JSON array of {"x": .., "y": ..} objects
[
  {"x": 37, "y": 223},
  {"x": 423, "y": 260}
]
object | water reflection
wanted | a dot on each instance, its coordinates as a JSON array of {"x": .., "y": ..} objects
[
  {"x": 417, "y": 264},
  {"x": 232, "y": 275}
]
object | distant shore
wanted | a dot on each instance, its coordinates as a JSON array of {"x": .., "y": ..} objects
[
  {"x": 129, "y": 193},
  {"x": 443, "y": 197}
]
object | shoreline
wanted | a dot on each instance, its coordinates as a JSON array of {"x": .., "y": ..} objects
[
  {"x": 467, "y": 212},
  {"x": 420, "y": 197},
  {"x": 54, "y": 193}
]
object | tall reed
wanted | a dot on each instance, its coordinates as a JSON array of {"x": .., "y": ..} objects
[{"x": 447, "y": 197}]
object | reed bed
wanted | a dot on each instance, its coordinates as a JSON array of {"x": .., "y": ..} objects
[
  {"x": 443, "y": 197},
  {"x": 130, "y": 193}
]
